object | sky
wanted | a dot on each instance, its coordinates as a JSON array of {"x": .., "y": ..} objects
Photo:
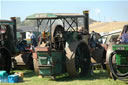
[{"x": 100, "y": 10}]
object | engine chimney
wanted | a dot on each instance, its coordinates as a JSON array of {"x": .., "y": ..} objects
[{"x": 86, "y": 19}]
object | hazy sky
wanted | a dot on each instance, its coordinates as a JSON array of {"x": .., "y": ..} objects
[{"x": 103, "y": 10}]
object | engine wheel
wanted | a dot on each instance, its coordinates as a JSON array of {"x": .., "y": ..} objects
[
  {"x": 35, "y": 63},
  {"x": 109, "y": 51},
  {"x": 78, "y": 59},
  {"x": 5, "y": 60}
]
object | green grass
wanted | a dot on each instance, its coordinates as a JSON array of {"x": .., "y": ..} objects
[{"x": 98, "y": 78}]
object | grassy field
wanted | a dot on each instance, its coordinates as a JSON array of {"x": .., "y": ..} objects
[{"x": 98, "y": 78}]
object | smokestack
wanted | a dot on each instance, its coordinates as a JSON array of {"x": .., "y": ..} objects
[
  {"x": 14, "y": 27},
  {"x": 86, "y": 19}
]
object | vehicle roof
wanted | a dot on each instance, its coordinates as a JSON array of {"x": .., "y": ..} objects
[
  {"x": 6, "y": 22},
  {"x": 53, "y": 15}
]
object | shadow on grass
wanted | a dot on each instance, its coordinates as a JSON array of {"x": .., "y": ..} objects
[
  {"x": 27, "y": 73},
  {"x": 98, "y": 75},
  {"x": 66, "y": 77},
  {"x": 31, "y": 73}
]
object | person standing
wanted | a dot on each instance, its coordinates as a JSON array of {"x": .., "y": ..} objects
[
  {"x": 124, "y": 36},
  {"x": 33, "y": 39},
  {"x": 94, "y": 36},
  {"x": 84, "y": 34}
]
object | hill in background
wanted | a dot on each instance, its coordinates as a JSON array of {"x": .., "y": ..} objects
[{"x": 107, "y": 26}]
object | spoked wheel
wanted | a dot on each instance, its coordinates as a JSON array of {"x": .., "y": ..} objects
[
  {"x": 5, "y": 60},
  {"x": 78, "y": 59}
]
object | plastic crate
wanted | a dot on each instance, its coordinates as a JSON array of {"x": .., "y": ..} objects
[
  {"x": 3, "y": 77},
  {"x": 13, "y": 79},
  {"x": 3, "y": 73},
  {"x": 20, "y": 75}
]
